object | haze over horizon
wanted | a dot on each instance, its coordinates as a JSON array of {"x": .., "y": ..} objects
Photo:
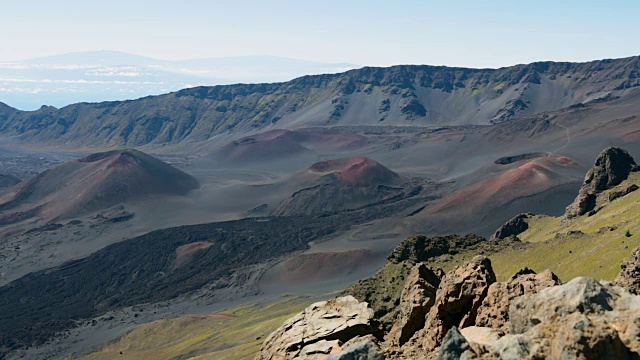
[{"x": 378, "y": 33}]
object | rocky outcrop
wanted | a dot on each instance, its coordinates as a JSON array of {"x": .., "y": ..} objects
[
  {"x": 458, "y": 299},
  {"x": 530, "y": 316},
  {"x": 629, "y": 277},
  {"x": 583, "y": 319},
  {"x": 320, "y": 329},
  {"x": 494, "y": 311},
  {"x": 612, "y": 167},
  {"x": 383, "y": 290},
  {"x": 514, "y": 227},
  {"x": 418, "y": 296},
  {"x": 421, "y": 248}
]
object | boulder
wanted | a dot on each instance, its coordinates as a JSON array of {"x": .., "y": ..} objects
[
  {"x": 629, "y": 277},
  {"x": 581, "y": 294},
  {"x": 612, "y": 167},
  {"x": 582, "y": 319},
  {"x": 494, "y": 311},
  {"x": 418, "y": 296},
  {"x": 574, "y": 336},
  {"x": 319, "y": 329},
  {"x": 458, "y": 298},
  {"x": 514, "y": 227},
  {"x": 455, "y": 346},
  {"x": 361, "y": 350}
]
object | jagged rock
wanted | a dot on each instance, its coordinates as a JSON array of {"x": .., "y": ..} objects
[
  {"x": 612, "y": 167},
  {"x": 583, "y": 319},
  {"x": 455, "y": 346},
  {"x": 623, "y": 192},
  {"x": 383, "y": 290},
  {"x": 362, "y": 350},
  {"x": 575, "y": 336},
  {"x": 458, "y": 298},
  {"x": 514, "y": 227},
  {"x": 319, "y": 329},
  {"x": 582, "y": 316},
  {"x": 629, "y": 277},
  {"x": 494, "y": 311},
  {"x": 581, "y": 294},
  {"x": 418, "y": 296}
]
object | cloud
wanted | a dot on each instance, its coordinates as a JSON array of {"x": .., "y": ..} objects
[
  {"x": 80, "y": 81},
  {"x": 21, "y": 66}
]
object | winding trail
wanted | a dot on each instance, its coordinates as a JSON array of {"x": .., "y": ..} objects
[{"x": 568, "y": 132}]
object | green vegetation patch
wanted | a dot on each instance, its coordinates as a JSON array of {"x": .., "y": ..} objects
[{"x": 236, "y": 333}]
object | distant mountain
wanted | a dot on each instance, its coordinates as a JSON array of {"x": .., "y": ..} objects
[
  {"x": 398, "y": 95},
  {"x": 95, "y": 182},
  {"x": 95, "y": 76}
]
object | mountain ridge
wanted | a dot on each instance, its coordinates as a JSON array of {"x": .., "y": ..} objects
[{"x": 401, "y": 95}]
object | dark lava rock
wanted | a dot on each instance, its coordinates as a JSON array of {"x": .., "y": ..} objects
[
  {"x": 420, "y": 248},
  {"x": 612, "y": 167},
  {"x": 453, "y": 345},
  {"x": 620, "y": 193},
  {"x": 511, "y": 159},
  {"x": 514, "y": 227},
  {"x": 362, "y": 350}
]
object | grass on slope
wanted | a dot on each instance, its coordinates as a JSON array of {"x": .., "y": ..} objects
[
  {"x": 591, "y": 246},
  {"x": 201, "y": 337}
]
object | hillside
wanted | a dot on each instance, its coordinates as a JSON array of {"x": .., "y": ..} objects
[
  {"x": 95, "y": 182},
  {"x": 336, "y": 185},
  {"x": 220, "y": 259},
  {"x": 398, "y": 95},
  {"x": 590, "y": 245}
]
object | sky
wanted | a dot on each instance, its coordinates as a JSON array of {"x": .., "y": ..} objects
[{"x": 490, "y": 33}]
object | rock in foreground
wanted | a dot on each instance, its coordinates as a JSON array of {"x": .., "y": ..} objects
[
  {"x": 320, "y": 329},
  {"x": 468, "y": 315}
]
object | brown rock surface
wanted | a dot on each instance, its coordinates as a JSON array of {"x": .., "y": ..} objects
[
  {"x": 458, "y": 298},
  {"x": 494, "y": 311},
  {"x": 418, "y": 296},
  {"x": 583, "y": 319},
  {"x": 320, "y": 329}
]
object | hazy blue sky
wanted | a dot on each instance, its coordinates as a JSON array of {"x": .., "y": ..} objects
[{"x": 457, "y": 33}]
